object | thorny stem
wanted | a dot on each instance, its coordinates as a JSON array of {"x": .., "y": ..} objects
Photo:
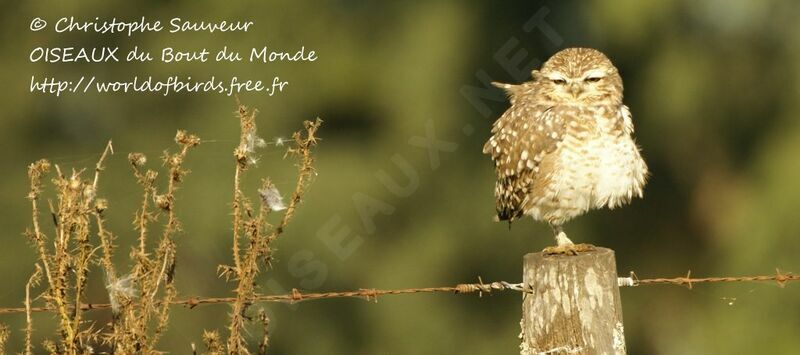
[
  {"x": 306, "y": 169},
  {"x": 81, "y": 222},
  {"x": 32, "y": 281},
  {"x": 242, "y": 154},
  {"x": 106, "y": 244},
  {"x": 35, "y": 172},
  {"x": 236, "y": 216},
  {"x": 80, "y": 280},
  {"x": 247, "y": 125},
  {"x": 146, "y": 180},
  {"x": 99, "y": 166},
  {"x": 143, "y": 224},
  {"x": 262, "y": 346},
  {"x": 246, "y": 286},
  {"x": 61, "y": 258},
  {"x": 134, "y": 326},
  {"x": 167, "y": 246}
]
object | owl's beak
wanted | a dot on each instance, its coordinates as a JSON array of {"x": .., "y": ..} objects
[{"x": 575, "y": 89}]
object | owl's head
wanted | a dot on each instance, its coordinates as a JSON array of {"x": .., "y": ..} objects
[{"x": 580, "y": 76}]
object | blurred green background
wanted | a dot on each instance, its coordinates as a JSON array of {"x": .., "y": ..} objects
[{"x": 713, "y": 86}]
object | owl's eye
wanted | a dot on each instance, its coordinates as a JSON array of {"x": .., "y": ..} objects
[
  {"x": 592, "y": 79},
  {"x": 560, "y": 81}
]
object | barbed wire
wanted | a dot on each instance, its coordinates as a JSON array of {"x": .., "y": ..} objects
[
  {"x": 480, "y": 287},
  {"x": 688, "y": 281}
]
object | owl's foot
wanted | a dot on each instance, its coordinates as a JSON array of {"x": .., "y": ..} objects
[
  {"x": 568, "y": 249},
  {"x": 565, "y": 246}
]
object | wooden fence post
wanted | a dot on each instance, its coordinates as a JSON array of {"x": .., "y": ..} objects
[{"x": 574, "y": 305}]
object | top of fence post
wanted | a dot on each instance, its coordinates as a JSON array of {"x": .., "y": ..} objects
[{"x": 573, "y": 306}]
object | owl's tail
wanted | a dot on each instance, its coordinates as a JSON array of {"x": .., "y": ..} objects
[{"x": 508, "y": 198}]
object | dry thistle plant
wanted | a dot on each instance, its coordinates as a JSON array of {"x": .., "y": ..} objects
[
  {"x": 250, "y": 224},
  {"x": 140, "y": 298}
]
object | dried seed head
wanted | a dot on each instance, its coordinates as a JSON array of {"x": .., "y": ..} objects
[
  {"x": 186, "y": 139},
  {"x": 163, "y": 202},
  {"x": 137, "y": 159},
  {"x": 119, "y": 291},
  {"x": 175, "y": 160},
  {"x": 249, "y": 140},
  {"x": 150, "y": 176},
  {"x": 240, "y": 153},
  {"x": 74, "y": 183},
  {"x": 100, "y": 205},
  {"x": 212, "y": 341},
  {"x": 39, "y": 168},
  {"x": 50, "y": 346}
]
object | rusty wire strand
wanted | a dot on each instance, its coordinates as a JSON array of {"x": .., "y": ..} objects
[
  {"x": 480, "y": 287},
  {"x": 688, "y": 281}
]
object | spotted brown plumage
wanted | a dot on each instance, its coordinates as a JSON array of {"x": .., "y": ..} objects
[{"x": 565, "y": 145}]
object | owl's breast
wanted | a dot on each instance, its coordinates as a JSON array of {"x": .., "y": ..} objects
[
  {"x": 599, "y": 163},
  {"x": 620, "y": 171}
]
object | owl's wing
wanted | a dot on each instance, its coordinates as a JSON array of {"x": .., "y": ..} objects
[{"x": 522, "y": 138}]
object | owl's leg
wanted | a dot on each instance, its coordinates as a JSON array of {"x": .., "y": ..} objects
[
  {"x": 561, "y": 237},
  {"x": 564, "y": 246}
]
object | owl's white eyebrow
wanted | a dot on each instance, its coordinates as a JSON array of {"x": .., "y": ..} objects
[
  {"x": 556, "y": 76},
  {"x": 597, "y": 73}
]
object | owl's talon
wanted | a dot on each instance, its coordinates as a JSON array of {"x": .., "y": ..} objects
[{"x": 568, "y": 249}]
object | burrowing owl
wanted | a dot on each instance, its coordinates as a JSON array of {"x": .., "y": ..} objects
[{"x": 565, "y": 145}]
